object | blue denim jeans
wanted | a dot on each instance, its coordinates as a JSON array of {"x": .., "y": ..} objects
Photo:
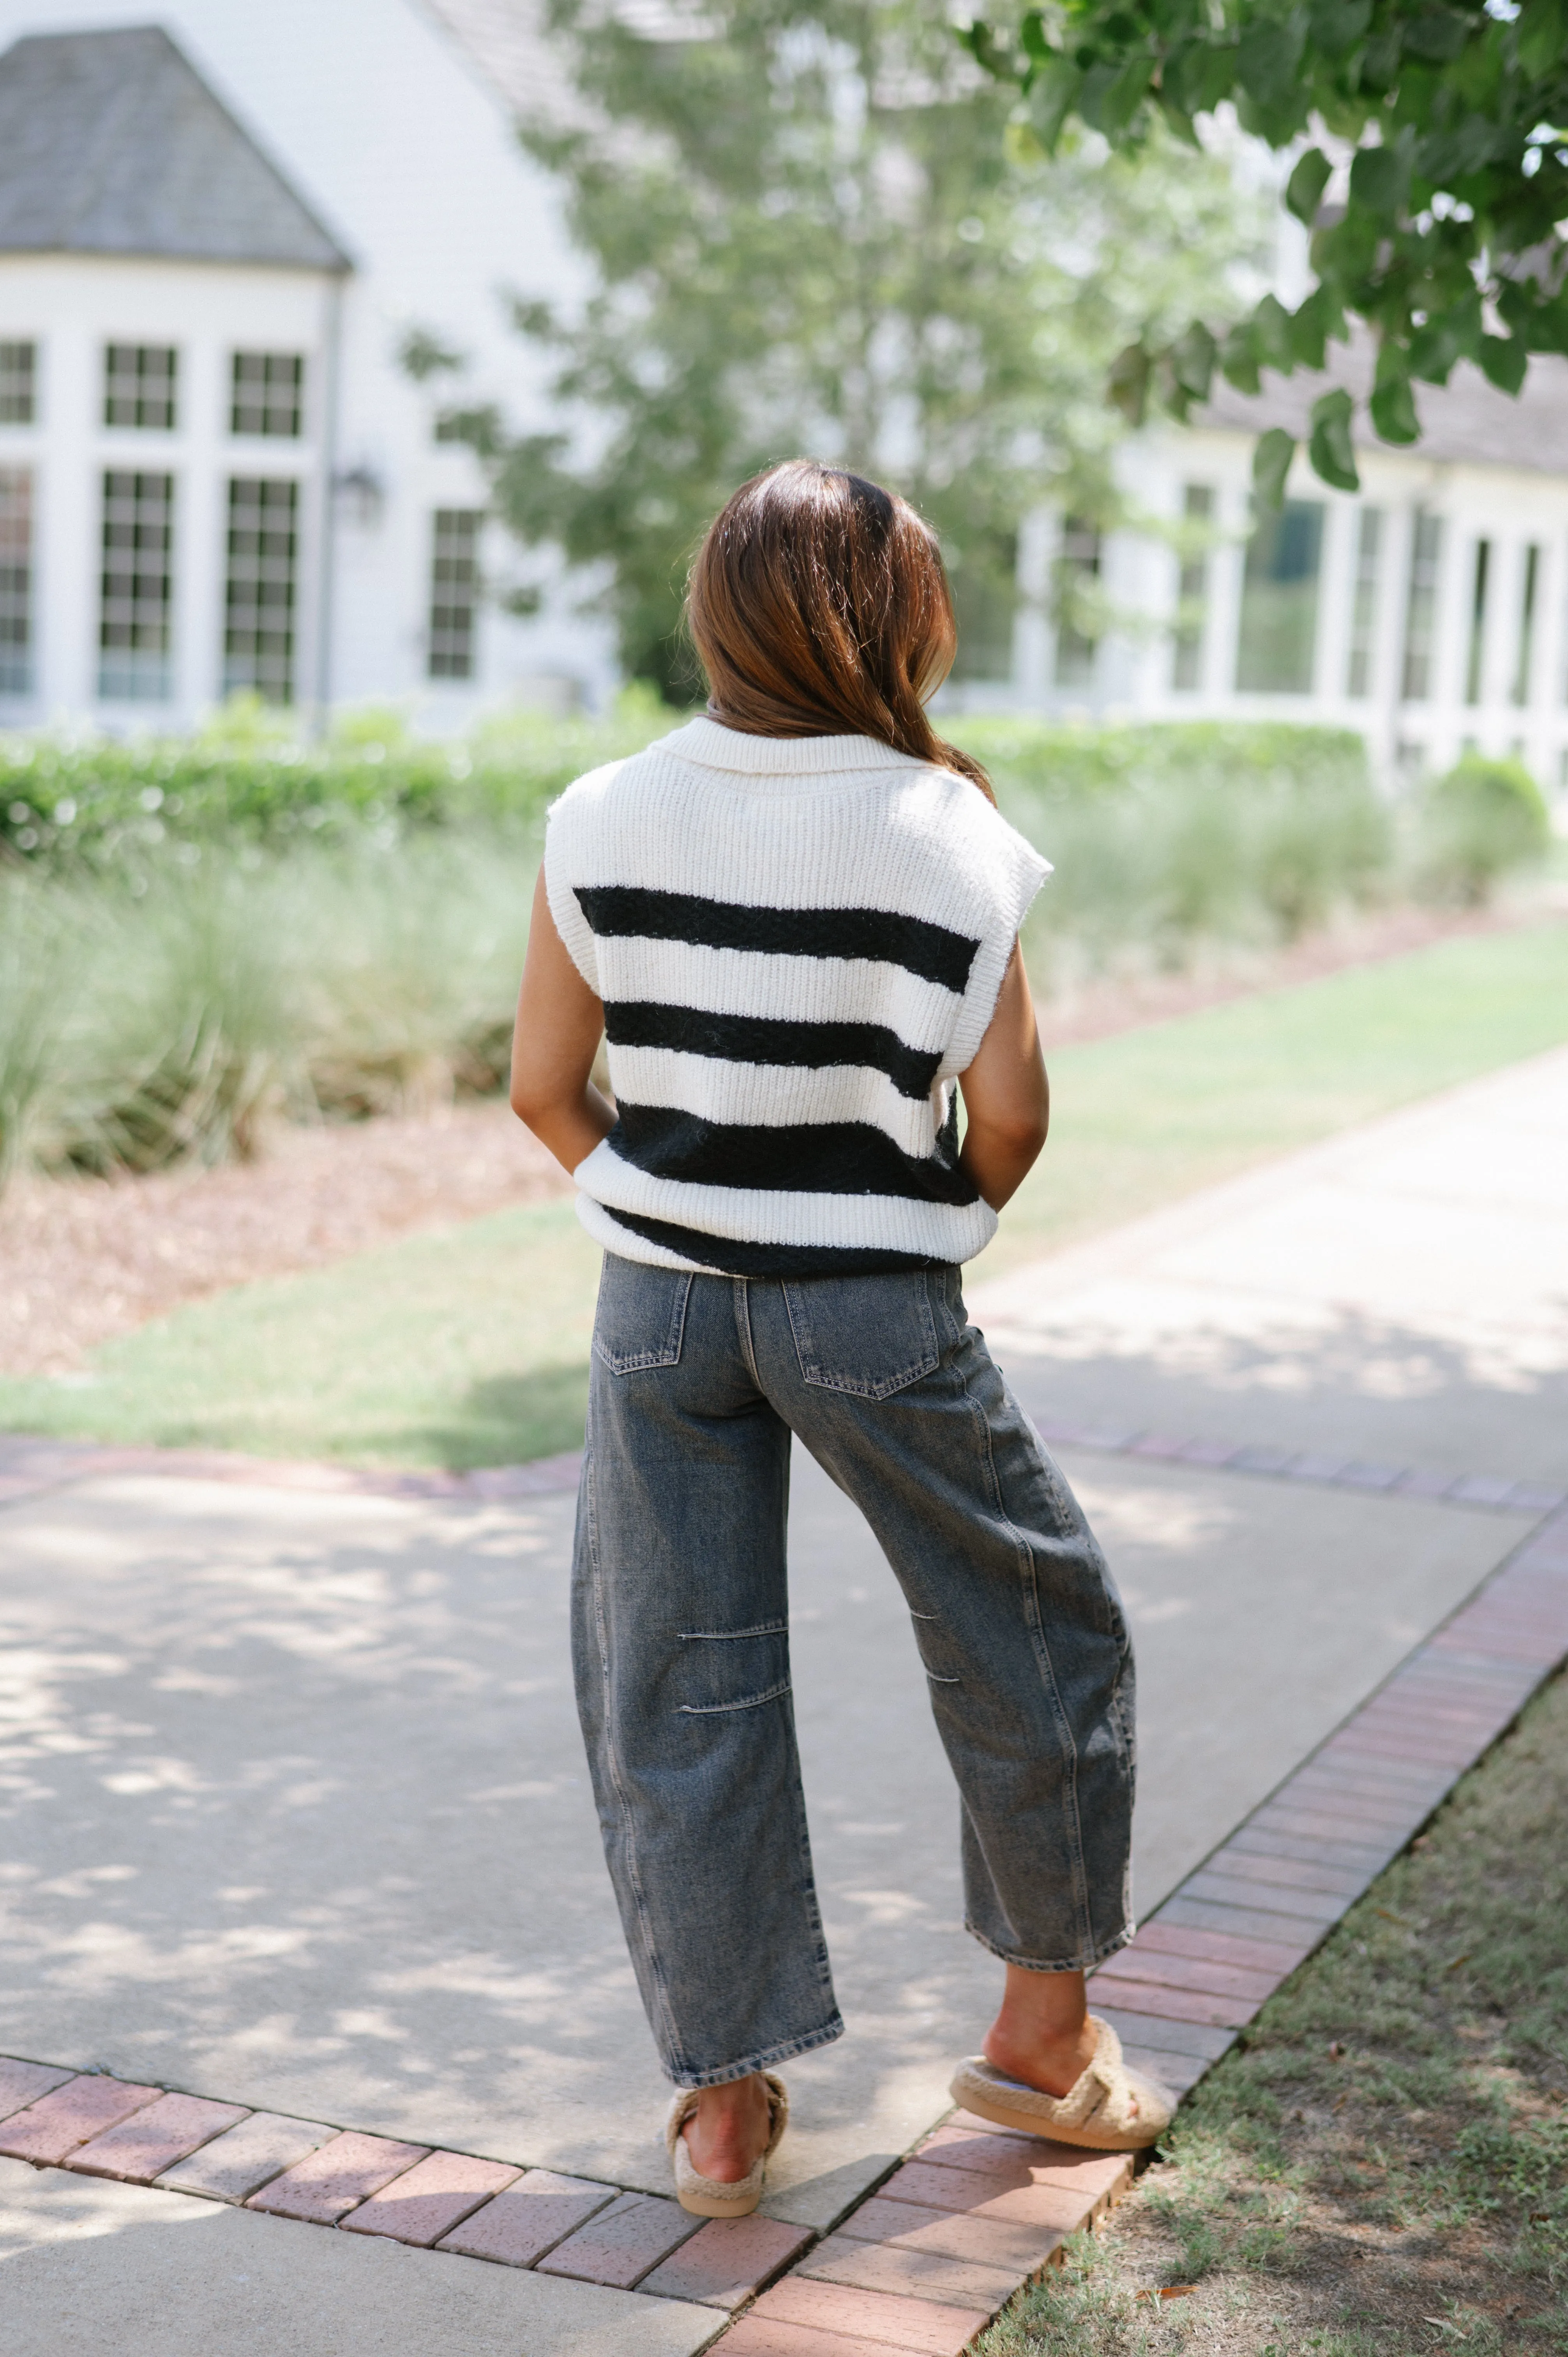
[{"x": 682, "y": 1645}]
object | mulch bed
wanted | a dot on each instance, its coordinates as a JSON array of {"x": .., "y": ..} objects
[{"x": 83, "y": 1259}]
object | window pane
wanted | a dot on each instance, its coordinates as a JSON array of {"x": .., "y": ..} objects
[
  {"x": 1525, "y": 667},
  {"x": 139, "y": 386},
  {"x": 454, "y": 592},
  {"x": 1278, "y": 601},
  {"x": 136, "y": 586},
  {"x": 1364, "y": 605},
  {"x": 260, "y": 588},
  {"x": 1475, "y": 661},
  {"x": 1078, "y": 575},
  {"x": 1192, "y": 593},
  {"x": 15, "y": 581},
  {"x": 18, "y": 383},
  {"x": 986, "y": 599},
  {"x": 267, "y": 394},
  {"x": 1421, "y": 607}
]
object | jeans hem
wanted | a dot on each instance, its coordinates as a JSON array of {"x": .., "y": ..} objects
[
  {"x": 764, "y": 2059},
  {"x": 1079, "y": 1963}
]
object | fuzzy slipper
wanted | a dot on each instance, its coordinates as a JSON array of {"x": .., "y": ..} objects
[
  {"x": 1108, "y": 2107},
  {"x": 708, "y": 2196}
]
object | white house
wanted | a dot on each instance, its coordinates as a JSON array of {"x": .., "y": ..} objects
[
  {"x": 215, "y": 234},
  {"x": 1429, "y": 611}
]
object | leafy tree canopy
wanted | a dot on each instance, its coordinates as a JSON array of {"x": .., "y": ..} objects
[
  {"x": 811, "y": 229},
  {"x": 1438, "y": 130}
]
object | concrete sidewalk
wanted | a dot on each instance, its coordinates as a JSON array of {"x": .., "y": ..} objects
[
  {"x": 1399, "y": 1292},
  {"x": 294, "y": 1810}
]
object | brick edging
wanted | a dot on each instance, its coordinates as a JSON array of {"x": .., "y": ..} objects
[
  {"x": 1199, "y": 1971},
  {"x": 1315, "y": 1467}
]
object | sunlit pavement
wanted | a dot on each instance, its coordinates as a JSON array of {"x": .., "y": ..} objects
[{"x": 296, "y": 1816}]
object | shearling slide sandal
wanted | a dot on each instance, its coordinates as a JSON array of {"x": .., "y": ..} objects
[
  {"x": 709, "y": 2197},
  {"x": 1108, "y": 2107}
]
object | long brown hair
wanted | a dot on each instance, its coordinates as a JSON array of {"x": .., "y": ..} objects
[{"x": 819, "y": 607}]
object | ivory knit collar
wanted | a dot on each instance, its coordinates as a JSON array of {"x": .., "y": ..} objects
[{"x": 709, "y": 743}]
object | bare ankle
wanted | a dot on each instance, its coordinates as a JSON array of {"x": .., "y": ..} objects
[{"x": 728, "y": 2132}]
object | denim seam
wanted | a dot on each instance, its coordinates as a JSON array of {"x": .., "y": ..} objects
[
  {"x": 732, "y": 1636},
  {"x": 1093, "y": 1953},
  {"x": 746, "y": 1702},
  {"x": 612, "y": 1761},
  {"x": 742, "y": 1296},
  {"x": 1024, "y": 1555}
]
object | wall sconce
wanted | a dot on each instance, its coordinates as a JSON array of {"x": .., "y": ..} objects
[{"x": 363, "y": 494}]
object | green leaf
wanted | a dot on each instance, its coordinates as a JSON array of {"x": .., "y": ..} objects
[
  {"x": 1272, "y": 335},
  {"x": 1239, "y": 358},
  {"x": 1331, "y": 450},
  {"x": 1125, "y": 94},
  {"x": 1192, "y": 358},
  {"x": 1270, "y": 464},
  {"x": 1303, "y": 189},
  {"x": 1338, "y": 25},
  {"x": 1393, "y": 410},
  {"x": 1268, "y": 56},
  {"x": 1380, "y": 177},
  {"x": 1540, "y": 327},
  {"x": 1217, "y": 78},
  {"x": 1128, "y": 383},
  {"x": 1438, "y": 35},
  {"x": 1455, "y": 335},
  {"x": 1504, "y": 360},
  {"x": 1052, "y": 98},
  {"x": 1032, "y": 33},
  {"x": 1538, "y": 40},
  {"x": 1310, "y": 327}
]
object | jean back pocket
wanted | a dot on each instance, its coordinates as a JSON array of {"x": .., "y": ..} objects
[
  {"x": 871, "y": 1336},
  {"x": 641, "y": 1318}
]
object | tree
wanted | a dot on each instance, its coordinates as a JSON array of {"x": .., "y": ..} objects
[
  {"x": 1435, "y": 128},
  {"x": 811, "y": 231}
]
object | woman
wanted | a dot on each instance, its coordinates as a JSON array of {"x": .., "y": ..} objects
[{"x": 794, "y": 922}]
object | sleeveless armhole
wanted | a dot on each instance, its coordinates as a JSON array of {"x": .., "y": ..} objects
[{"x": 1013, "y": 872}]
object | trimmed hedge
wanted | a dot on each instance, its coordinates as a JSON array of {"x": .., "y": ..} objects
[{"x": 100, "y": 804}]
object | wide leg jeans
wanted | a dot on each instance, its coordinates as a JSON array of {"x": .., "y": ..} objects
[{"x": 682, "y": 1645}]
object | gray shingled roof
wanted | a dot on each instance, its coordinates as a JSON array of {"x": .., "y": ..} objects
[
  {"x": 1466, "y": 422},
  {"x": 112, "y": 143}
]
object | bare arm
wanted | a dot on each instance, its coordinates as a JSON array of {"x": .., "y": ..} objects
[
  {"x": 559, "y": 1026},
  {"x": 1006, "y": 1096}
]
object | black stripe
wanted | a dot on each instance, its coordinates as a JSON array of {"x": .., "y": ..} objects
[
  {"x": 819, "y": 1157},
  {"x": 760, "y": 1039},
  {"x": 727, "y": 1257},
  {"x": 932, "y": 952}
]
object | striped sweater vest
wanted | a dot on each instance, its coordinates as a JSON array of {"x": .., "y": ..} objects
[{"x": 798, "y": 943}]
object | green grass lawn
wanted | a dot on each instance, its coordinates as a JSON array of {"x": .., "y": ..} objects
[{"x": 470, "y": 1347}]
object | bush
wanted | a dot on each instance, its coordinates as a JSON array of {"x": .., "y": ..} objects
[
  {"x": 1481, "y": 819},
  {"x": 1162, "y": 835},
  {"x": 331, "y": 931},
  {"x": 136, "y": 1030},
  {"x": 101, "y": 803}
]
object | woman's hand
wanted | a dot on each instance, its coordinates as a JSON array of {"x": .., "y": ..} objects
[
  {"x": 1006, "y": 1096},
  {"x": 559, "y": 1026}
]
